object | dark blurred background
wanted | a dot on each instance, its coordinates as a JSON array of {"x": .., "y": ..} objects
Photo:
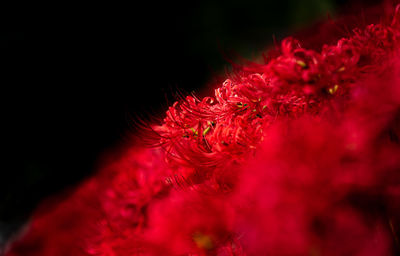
[{"x": 73, "y": 75}]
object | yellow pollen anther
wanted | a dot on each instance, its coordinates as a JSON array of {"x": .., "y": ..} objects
[
  {"x": 333, "y": 89},
  {"x": 341, "y": 69},
  {"x": 301, "y": 63},
  {"x": 203, "y": 241},
  {"x": 194, "y": 131},
  {"x": 206, "y": 130}
]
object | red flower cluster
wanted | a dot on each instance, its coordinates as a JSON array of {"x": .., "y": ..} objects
[
  {"x": 298, "y": 156},
  {"x": 211, "y": 133}
]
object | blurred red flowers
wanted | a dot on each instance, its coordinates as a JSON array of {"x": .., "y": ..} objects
[{"x": 297, "y": 156}]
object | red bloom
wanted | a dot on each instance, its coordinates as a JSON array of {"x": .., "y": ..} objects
[{"x": 297, "y": 156}]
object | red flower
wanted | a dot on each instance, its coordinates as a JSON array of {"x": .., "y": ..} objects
[{"x": 297, "y": 156}]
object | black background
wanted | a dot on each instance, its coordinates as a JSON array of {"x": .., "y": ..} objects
[{"x": 73, "y": 75}]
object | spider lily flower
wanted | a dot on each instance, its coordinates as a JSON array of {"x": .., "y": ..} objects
[{"x": 296, "y": 156}]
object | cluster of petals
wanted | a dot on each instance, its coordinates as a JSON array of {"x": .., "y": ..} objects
[
  {"x": 298, "y": 156},
  {"x": 205, "y": 134}
]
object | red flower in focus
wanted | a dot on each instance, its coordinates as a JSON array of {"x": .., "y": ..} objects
[{"x": 297, "y": 156}]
